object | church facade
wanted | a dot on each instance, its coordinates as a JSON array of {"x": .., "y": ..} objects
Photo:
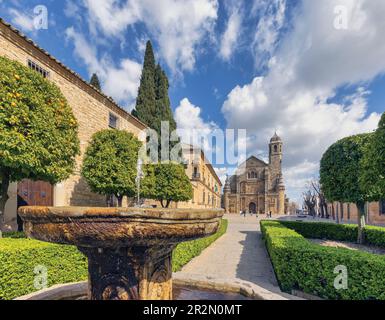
[{"x": 257, "y": 186}]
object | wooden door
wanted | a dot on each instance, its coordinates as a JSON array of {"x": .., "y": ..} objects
[{"x": 35, "y": 193}]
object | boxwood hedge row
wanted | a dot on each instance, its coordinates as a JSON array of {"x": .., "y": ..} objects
[
  {"x": 374, "y": 236},
  {"x": 308, "y": 267},
  {"x": 19, "y": 257}
]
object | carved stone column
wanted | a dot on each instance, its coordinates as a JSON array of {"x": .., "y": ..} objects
[{"x": 134, "y": 273}]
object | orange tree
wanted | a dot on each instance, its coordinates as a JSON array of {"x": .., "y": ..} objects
[
  {"x": 340, "y": 171},
  {"x": 166, "y": 182},
  {"x": 38, "y": 131},
  {"x": 110, "y": 163}
]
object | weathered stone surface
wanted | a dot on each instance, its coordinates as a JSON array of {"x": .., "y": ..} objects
[{"x": 129, "y": 250}]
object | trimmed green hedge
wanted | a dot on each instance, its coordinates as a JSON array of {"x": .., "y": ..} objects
[
  {"x": 308, "y": 267},
  {"x": 14, "y": 235},
  {"x": 324, "y": 230},
  {"x": 186, "y": 251},
  {"x": 374, "y": 236},
  {"x": 19, "y": 257},
  {"x": 65, "y": 264}
]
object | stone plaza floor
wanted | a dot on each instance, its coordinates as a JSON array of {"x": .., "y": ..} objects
[{"x": 240, "y": 254}]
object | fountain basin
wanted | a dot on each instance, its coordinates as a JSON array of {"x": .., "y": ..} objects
[{"x": 129, "y": 250}]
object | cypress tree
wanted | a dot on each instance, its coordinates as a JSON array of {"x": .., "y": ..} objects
[
  {"x": 162, "y": 182},
  {"x": 95, "y": 82},
  {"x": 153, "y": 103},
  {"x": 164, "y": 112},
  {"x": 145, "y": 108}
]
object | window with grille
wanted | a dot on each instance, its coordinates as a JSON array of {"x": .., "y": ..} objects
[
  {"x": 113, "y": 121},
  {"x": 35, "y": 67}
]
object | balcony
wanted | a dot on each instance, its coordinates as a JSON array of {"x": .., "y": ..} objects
[{"x": 196, "y": 176}]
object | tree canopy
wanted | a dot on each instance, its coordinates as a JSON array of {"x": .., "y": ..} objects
[
  {"x": 340, "y": 172},
  {"x": 167, "y": 182},
  {"x": 38, "y": 131},
  {"x": 95, "y": 82},
  {"x": 373, "y": 174},
  {"x": 145, "y": 109},
  {"x": 341, "y": 169},
  {"x": 110, "y": 163},
  {"x": 153, "y": 103}
]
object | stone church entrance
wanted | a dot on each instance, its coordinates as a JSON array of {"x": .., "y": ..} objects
[{"x": 253, "y": 208}]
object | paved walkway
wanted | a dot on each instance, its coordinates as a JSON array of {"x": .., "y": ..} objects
[{"x": 239, "y": 254}]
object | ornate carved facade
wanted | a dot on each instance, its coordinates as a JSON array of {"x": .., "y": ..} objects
[{"x": 258, "y": 187}]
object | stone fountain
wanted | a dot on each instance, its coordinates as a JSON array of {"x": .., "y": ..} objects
[{"x": 129, "y": 250}]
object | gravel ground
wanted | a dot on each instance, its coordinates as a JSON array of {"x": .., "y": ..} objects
[{"x": 349, "y": 245}]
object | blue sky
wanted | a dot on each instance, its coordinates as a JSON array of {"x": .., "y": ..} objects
[{"x": 312, "y": 70}]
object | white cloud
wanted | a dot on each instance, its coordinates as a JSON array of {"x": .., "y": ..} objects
[
  {"x": 272, "y": 18},
  {"x": 231, "y": 35},
  {"x": 23, "y": 21},
  {"x": 193, "y": 129},
  {"x": 188, "y": 116},
  {"x": 179, "y": 27},
  {"x": 311, "y": 62},
  {"x": 121, "y": 81},
  {"x": 222, "y": 174}
]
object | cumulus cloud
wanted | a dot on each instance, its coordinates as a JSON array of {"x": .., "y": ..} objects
[
  {"x": 121, "y": 81},
  {"x": 305, "y": 71},
  {"x": 178, "y": 26},
  {"x": 191, "y": 125}
]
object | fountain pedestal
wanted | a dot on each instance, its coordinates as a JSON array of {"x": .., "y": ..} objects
[
  {"x": 133, "y": 273},
  {"x": 129, "y": 250}
]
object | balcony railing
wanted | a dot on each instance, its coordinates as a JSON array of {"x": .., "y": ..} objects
[{"x": 196, "y": 176}]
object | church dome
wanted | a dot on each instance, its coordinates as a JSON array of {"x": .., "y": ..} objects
[{"x": 276, "y": 138}]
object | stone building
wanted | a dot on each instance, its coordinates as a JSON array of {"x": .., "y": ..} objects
[
  {"x": 258, "y": 187},
  {"x": 206, "y": 184},
  {"x": 94, "y": 112}
]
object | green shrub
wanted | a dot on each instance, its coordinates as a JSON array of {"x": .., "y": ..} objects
[
  {"x": 324, "y": 230},
  {"x": 14, "y": 235},
  {"x": 373, "y": 236},
  {"x": 186, "y": 251},
  {"x": 65, "y": 264},
  {"x": 19, "y": 257},
  {"x": 302, "y": 265}
]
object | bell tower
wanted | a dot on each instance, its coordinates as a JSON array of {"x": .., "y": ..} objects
[
  {"x": 275, "y": 166},
  {"x": 275, "y": 154}
]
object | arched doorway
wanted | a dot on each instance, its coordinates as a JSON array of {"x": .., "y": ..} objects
[{"x": 252, "y": 208}]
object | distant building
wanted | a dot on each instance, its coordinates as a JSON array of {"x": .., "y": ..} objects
[
  {"x": 207, "y": 187},
  {"x": 258, "y": 187}
]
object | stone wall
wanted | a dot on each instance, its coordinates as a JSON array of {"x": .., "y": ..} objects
[{"x": 350, "y": 212}]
